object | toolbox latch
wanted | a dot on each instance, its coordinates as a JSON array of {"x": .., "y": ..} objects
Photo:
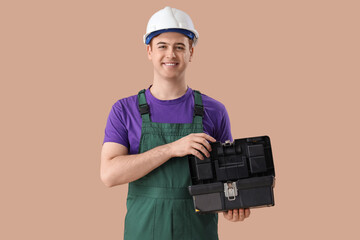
[{"x": 230, "y": 190}]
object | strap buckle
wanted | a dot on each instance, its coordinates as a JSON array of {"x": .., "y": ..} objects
[
  {"x": 144, "y": 109},
  {"x": 198, "y": 110}
]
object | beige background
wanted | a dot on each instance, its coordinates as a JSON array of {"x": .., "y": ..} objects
[{"x": 288, "y": 69}]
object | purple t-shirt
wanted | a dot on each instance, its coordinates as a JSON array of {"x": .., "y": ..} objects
[{"x": 124, "y": 121}]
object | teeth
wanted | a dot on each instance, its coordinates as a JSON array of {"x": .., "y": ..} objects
[{"x": 170, "y": 64}]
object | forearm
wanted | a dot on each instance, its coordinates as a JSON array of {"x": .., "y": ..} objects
[{"x": 127, "y": 168}]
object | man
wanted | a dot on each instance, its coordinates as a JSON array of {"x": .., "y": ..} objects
[{"x": 149, "y": 135}]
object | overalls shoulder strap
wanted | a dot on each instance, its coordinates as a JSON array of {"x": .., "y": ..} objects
[
  {"x": 198, "y": 107},
  {"x": 143, "y": 106},
  {"x": 145, "y": 110}
]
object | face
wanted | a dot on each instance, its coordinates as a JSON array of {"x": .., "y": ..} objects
[{"x": 170, "y": 54}]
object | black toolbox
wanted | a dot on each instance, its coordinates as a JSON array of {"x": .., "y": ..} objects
[{"x": 238, "y": 174}]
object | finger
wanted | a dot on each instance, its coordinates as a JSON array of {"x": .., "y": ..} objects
[
  {"x": 225, "y": 215},
  {"x": 228, "y": 215},
  {"x": 247, "y": 212},
  {"x": 203, "y": 142},
  {"x": 235, "y": 215},
  {"x": 201, "y": 148},
  {"x": 207, "y": 137},
  {"x": 197, "y": 154},
  {"x": 241, "y": 214}
]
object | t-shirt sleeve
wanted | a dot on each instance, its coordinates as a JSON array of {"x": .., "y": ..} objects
[
  {"x": 115, "y": 130},
  {"x": 223, "y": 132}
]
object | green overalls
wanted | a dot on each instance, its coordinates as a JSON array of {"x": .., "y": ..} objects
[{"x": 159, "y": 206}]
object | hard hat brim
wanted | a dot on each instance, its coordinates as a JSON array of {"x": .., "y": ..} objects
[{"x": 187, "y": 33}]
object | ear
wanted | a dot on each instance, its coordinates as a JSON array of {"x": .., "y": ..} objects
[
  {"x": 148, "y": 49},
  {"x": 191, "y": 53}
]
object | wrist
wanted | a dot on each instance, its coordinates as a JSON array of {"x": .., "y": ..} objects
[{"x": 169, "y": 150}]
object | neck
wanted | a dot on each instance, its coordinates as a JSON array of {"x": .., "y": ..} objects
[{"x": 168, "y": 89}]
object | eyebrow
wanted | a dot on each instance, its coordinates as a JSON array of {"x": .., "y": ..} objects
[{"x": 168, "y": 44}]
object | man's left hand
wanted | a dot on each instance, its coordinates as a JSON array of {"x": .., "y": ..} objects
[{"x": 236, "y": 215}]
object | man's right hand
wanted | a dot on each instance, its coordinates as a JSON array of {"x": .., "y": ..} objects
[
  {"x": 192, "y": 144},
  {"x": 117, "y": 167}
]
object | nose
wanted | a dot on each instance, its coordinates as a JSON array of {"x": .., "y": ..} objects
[{"x": 171, "y": 53}]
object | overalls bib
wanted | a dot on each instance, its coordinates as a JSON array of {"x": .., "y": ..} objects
[{"x": 159, "y": 206}]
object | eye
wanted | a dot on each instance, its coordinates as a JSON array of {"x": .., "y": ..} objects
[
  {"x": 161, "y": 46},
  {"x": 180, "y": 48}
]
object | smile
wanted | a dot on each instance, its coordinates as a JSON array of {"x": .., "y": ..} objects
[{"x": 170, "y": 64}]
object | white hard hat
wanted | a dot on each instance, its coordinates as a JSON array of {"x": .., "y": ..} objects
[{"x": 170, "y": 20}]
